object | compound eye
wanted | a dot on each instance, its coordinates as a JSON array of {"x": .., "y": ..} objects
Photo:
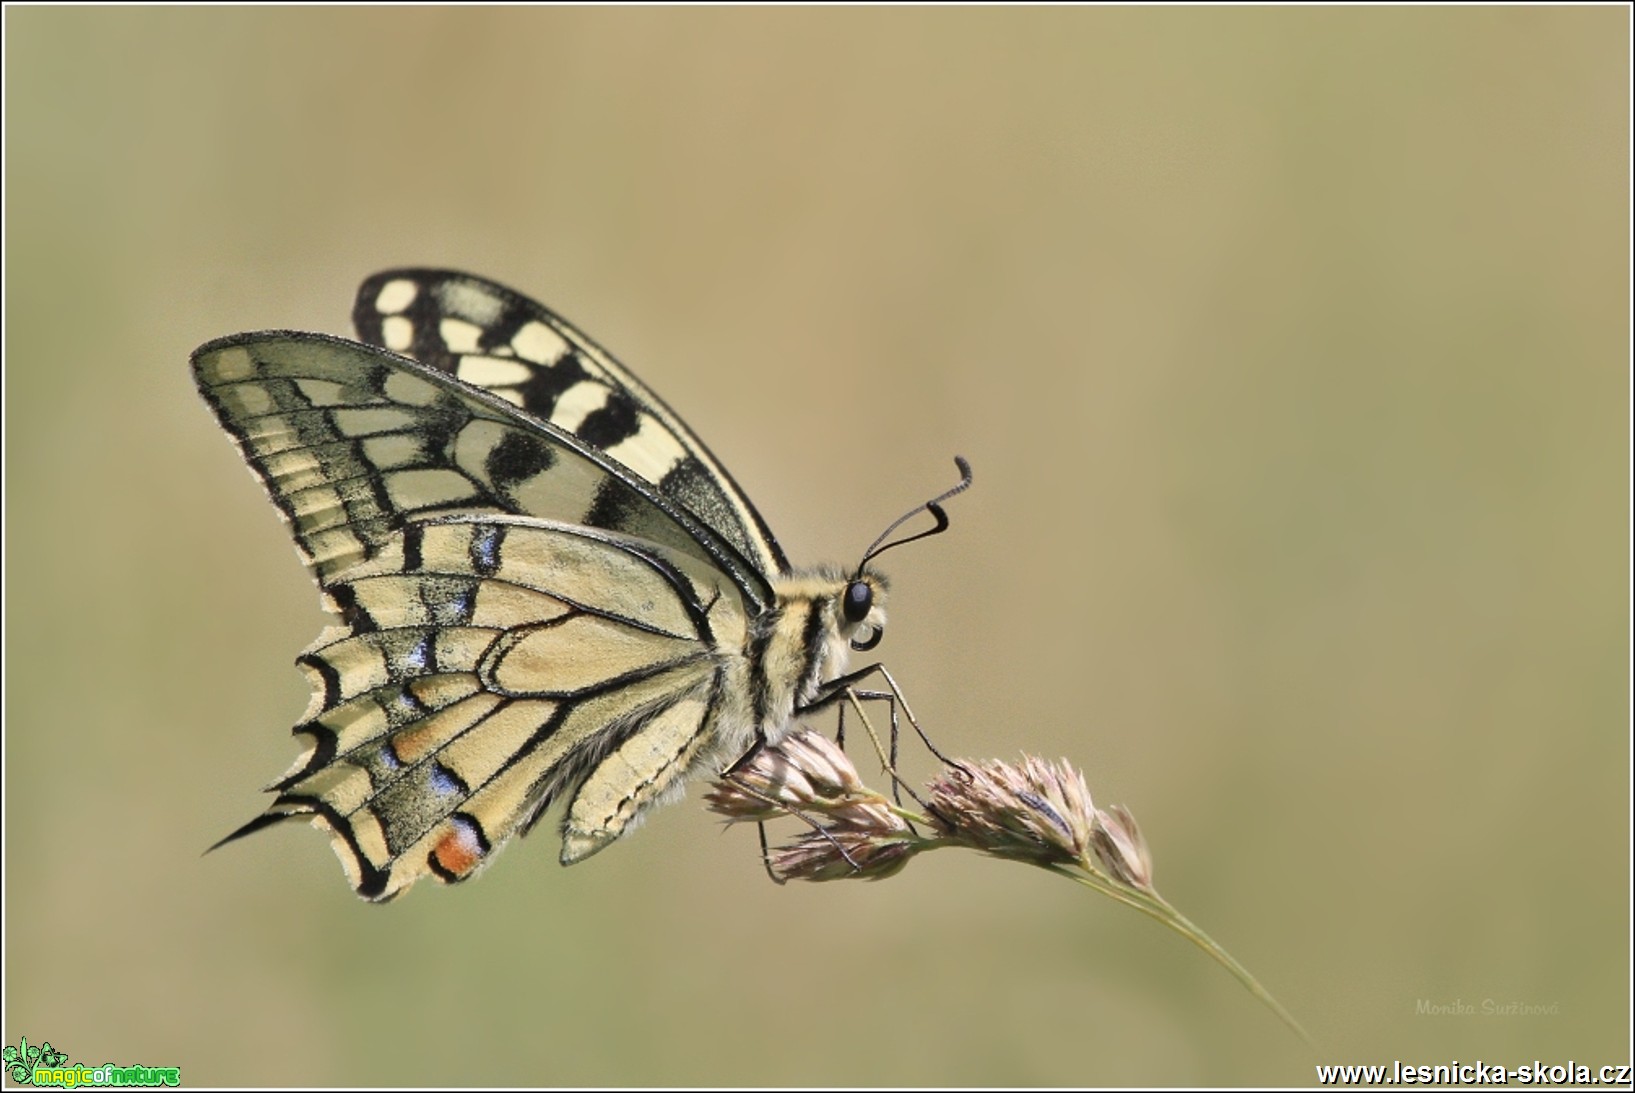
[{"x": 859, "y": 598}]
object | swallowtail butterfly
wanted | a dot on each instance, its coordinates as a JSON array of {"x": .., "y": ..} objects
[{"x": 547, "y": 587}]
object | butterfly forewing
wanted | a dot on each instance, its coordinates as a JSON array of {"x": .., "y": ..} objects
[
  {"x": 495, "y": 338},
  {"x": 352, "y": 443}
]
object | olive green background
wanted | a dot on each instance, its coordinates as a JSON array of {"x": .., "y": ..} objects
[{"x": 1290, "y": 349}]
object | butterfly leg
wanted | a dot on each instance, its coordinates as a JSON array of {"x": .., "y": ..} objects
[
  {"x": 891, "y": 762},
  {"x": 748, "y": 756},
  {"x": 888, "y": 761},
  {"x": 840, "y": 735},
  {"x": 839, "y": 731},
  {"x": 766, "y": 854},
  {"x": 840, "y": 695},
  {"x": 837, "y": 690},
  {"x": 760, "y": 827}
]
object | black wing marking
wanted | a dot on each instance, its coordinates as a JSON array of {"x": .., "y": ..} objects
[
  {"x": 498, "y": 339},
  {"x": 352, "y": 443}
]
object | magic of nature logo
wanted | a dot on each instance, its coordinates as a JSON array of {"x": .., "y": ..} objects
[{"x": 42, "y": 1064}]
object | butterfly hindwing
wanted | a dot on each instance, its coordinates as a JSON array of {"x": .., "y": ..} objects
[
  {"x": 498, "y": 339},
  {"x": 483, "y": 669},
  {"x": 353, "y": 442}
]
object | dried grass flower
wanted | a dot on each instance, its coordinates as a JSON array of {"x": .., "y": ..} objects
[
  {"x": 1120, "y": 847},
  {"x": 1038, "y": 812},
  {"x": 806, "y": 772},
  {"x": 846, "y": 854}
]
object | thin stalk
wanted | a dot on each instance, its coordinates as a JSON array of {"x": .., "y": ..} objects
[{"x": 1157, "y": 907}]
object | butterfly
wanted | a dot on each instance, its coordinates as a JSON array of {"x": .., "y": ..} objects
[{"x": 547, "y": 588}]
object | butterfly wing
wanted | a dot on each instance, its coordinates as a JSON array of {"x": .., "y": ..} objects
[
  {"x": 498, "y": 339},
  {"x": 487, "y": 665},
  {"x": 489, "y": 660},
  {"x": 352, "y": 443}
]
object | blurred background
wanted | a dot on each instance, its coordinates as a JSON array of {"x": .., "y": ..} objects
[{"x": 1290, "y": 349}]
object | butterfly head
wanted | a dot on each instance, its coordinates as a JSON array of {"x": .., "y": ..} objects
[{"x": 863, "y": 610}]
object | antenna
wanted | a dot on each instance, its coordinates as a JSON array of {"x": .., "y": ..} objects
[{"x": 933, "y": 506}]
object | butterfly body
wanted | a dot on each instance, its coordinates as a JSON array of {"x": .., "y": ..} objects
[{"x": 546, "y": 586}]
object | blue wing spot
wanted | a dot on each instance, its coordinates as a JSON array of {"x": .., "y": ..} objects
[
  {"x": 418, "y": 658},
  {"x": 485, "y": 549},
  {"x": 444, "y": 782},
  {"x": 449, "y": 601},
  {"x": 405, "y": 707},
  {"x": 459, "y": 607}
]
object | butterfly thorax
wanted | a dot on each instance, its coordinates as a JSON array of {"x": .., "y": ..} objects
[{"x": 803, "y": 641}]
